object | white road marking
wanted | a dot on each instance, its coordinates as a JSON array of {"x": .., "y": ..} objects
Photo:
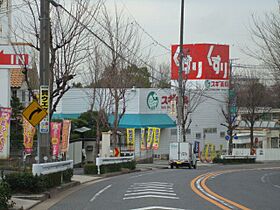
[
  {"x": 145, "y": 187},
  {"x": 141, "y": 175},
  {"x": 152, "y": 184},
  {"x": 150, "y": 196},
  {"x": 158, "y": 207},
  {"x": 151, "y": 189},
  {"x": 263, "y": 178},
  {"x": 150, "y": 192},
  {"x": 101, "y": 191},
  {"x": 276, "y": 186}
]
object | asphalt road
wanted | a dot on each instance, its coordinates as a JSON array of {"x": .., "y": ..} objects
[{"x": 171, "y": 189}]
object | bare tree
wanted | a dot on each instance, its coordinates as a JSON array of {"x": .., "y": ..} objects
[
  {"x": 251, "y": 100},
  {"x": 123, "y": 37},
  {"x": 100, "y": 99},
  {"x": 192, "y": 97},
  {"x": 68, "y": 41},
  {"x": 229, "y": 111}
]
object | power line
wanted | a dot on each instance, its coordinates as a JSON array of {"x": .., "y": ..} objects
[
  {"x": 149, "y": 35},
  {"x": 55, "y": 4}
]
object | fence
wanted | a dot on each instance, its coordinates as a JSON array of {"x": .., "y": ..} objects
[
  {"x": 261, "y": 154},
  {"x": 111, "y": 160}
]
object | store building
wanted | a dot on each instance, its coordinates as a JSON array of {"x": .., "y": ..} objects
[{"x": 151, "y": 107}]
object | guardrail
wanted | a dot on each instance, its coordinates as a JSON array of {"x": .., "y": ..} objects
[
  {"x": 111, "y": 160},
  {"x": 238, "y": 156},
  {"x": 48, "y": 168}
]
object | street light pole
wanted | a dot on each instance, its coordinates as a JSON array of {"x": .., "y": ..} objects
[
  {"x": 180, "y": 82},
  {"x": 43, "y": 138}
]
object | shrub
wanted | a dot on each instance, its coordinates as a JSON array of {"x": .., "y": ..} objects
[
  {"x": 130, "y": 165},
  {"x": 67, "y": 175},
  {"x": 234, "y": 160},
  {"x": 52, "y": 180},
  {"x": 25, "y": 182},
  {"x": 90, "y": 168},
  {"x": 5, "y": 195},
  {"x": 110, "y": 168}
]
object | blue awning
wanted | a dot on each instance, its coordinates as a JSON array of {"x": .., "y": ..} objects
[
  {"x": 65, "y": 116},
  {"x": 144, "y": 121}
]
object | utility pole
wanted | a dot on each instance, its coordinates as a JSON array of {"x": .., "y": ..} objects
[
  {"x": 44, "y": 138},
  {"x": 180, "y": 83}
]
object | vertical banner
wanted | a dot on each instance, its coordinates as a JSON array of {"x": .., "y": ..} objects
[
  {"x": 130, "y": 137},
  {"x": 196, "y": 148},
  {"x": 55, "y": 137},
  {"x": 150, "y": 138},
  {"x": 66, "y": 128},
  {"x": 156, "y": 138},
  {"x": 28, "y": 135},
  {"x": 44, "y": 103},
  {"x": 143, "y": 146},
  {"x": 5, "y": 117}
]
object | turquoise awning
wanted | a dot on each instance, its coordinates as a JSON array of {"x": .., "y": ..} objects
[
  {"x": 65, "y": 116},
  {"x": 144, "y": 121}
]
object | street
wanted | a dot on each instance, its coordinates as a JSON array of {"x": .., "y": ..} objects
[{"x": 254, "y": 186}]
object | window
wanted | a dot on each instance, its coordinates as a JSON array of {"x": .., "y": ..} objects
[
  {"x": 222, "y": 134},
  {"x": 173, "y": 132},
  {"x": 188, "y": 131},
  {"x": 210, "y": 130},
  {"x": 274, "y": 142},
  {"x": 14, "y": 93},
  {"x": 23, "y": 99},
  {"x": 198, "y": 135}
]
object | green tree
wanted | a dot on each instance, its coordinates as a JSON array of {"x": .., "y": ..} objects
[
  {"x": 16, "y": 124},
  {"x": 138, "y": 77}
]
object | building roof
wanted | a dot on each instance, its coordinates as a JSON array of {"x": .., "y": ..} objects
[
  {"x": 144, "y": 121},
  {"x": 17, "y": 78}
]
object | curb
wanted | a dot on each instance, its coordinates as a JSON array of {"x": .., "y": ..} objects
[{"x": 45, "y": 195}]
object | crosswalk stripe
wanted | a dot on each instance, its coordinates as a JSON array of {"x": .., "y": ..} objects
[
  {"x": 149, "y": 192},
  {"x": 149, "y": 196}
]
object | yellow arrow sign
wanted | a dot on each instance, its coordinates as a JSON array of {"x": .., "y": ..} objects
[{"x": 34, "y": 113}]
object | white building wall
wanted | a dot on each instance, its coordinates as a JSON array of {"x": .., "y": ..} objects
[{"x": 207, "y": 115}]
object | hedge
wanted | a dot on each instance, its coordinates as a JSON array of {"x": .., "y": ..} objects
[
  {"x": 234, "y": 160},
  {"x": 90, "y": 168},
  {"x": 25, "y": 182}
]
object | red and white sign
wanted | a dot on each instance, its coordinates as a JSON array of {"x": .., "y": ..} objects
[
  {"x": 11, "y": 59},
  {"x": 201, "y": 62}
]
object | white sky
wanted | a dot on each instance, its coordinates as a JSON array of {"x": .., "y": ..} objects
[{"x": 206, "y": 21}]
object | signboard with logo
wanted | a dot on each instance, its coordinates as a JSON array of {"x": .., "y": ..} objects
[
  {"x": 201, "y": 62},
  {"x": 14, "y": 56},
  {"x": 152, "y": 100}
]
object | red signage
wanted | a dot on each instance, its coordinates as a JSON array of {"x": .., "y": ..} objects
[
  {"x": 13, "y": 59},
  {"x": 201, "y": 62}
]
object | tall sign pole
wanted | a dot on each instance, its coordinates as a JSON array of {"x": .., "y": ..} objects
[
  {"x": 43, "y": 137},
  {"x": 180, "y": 83}
]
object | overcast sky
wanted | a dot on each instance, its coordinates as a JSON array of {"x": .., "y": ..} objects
[{"x": 206, "y": 21}]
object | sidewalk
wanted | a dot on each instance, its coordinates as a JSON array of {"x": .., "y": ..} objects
[{"x": 28, "y": 201}]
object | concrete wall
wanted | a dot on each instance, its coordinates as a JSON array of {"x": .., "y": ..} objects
[{"x": 75, "y": 152}]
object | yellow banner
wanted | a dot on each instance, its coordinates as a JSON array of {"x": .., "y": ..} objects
[
  {"x": 130, "y": 138},
  {"x": 156, "y": 138},
  {"x": 150, "y": 137},
  {"x": 143, "y": 146}
]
